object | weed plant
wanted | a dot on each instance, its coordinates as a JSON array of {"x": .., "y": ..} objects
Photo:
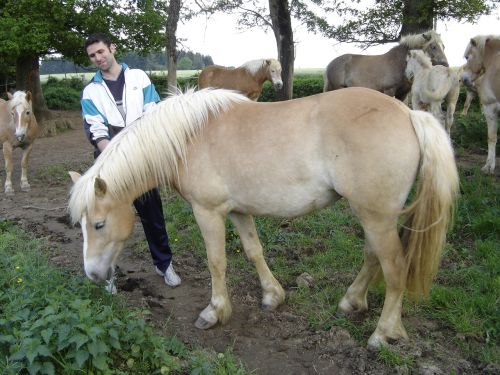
[{"x": 52, "y": 322}]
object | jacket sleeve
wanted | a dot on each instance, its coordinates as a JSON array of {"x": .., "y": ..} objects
[
  {"x": 94, "y": 122},
  {"x": 151, "y": 97}
]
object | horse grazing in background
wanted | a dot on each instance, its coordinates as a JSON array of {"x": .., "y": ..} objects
[
  {"x": 386, "y": 72},
  {"x": 231, "y": 157},
  {"x": 247, "y": 79},
  {"x": 483, "y": 65},
  {"x": 433, "y": 85},
  {"x": 18, "y": 128}
]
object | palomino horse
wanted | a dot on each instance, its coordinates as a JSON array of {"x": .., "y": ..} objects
[
  {"x": 433, "y": 85},
  {"x": 384, "y": 73},
  {"x": 247, "y": 79},
  {"x": 228, "y": 156},
  {"x": 18, "y": 128},
  {"x": 483, "y": 58}
]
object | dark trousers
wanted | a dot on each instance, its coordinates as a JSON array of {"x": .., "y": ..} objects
[{"x": 150, "y": 211}]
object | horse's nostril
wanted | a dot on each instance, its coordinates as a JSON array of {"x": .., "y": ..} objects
[{"x": 93, "y": 276}]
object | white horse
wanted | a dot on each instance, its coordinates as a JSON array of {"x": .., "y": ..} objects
[
  {"x": 483, "y": 62},
  {"x": 433, "y": 85}
]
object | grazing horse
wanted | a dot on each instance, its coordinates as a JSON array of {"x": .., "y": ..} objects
[
  {"x": 247, "y": 79},
  {"x": 18, "y": 128},
  {"x": 231, "y": 157},
  {"x": 483, "y": 59},
  {"x": 433, "y": 85},
  {"x": 386, "y": 72}
]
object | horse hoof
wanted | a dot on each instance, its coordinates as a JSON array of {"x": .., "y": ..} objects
[
  {"x": 26, "y": 188},
  {"x": 203, "y": 324},
  {"x": 267, "y": 307},
  {"x": 9, "y": 192}
]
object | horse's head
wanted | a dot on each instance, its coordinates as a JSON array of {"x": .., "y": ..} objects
[
  {"x": 473, "y": 55},
  {"x": 106, "y": 224},
  {"x": 274, "y": 73},
  {"x": 434, "y": 48},
  {"x": 416, "y": 60},
  {"x": 21, "y": 110}
]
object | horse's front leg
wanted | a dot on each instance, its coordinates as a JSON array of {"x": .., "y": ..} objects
[
  {"x": 491, "y": 120},
  {"x": 7, "y": 154},
  {"x": 213, "y": 231},
  {"x": 272, "y": 292},
  {"x": 25, "y": 186}
]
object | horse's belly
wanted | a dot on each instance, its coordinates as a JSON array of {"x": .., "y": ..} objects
[{"x": 281, "y": 201}]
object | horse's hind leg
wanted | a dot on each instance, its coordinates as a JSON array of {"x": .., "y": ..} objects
[
  {"x": 7, "y": 153},
  {"x": 25, "y": 186},
  {"x": 355, "y": 299},
  {"x": 213, "y": 231},
  {"x": 491, "y": 120},
  {"x": 383, "y": 240},
  {"x": 272, "y": 292}
]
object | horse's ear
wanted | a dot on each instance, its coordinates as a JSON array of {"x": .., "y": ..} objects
[
  {"x": 9, "y": 95},
  {"x": 100, "y": 187},
  {"x": 426, "y": 36},
  {"x": 74, "y": 176},
  {"x": 473, "y": 42},
  {"x": 29, "y": 96},
  {"x": 268, "y": 61}
]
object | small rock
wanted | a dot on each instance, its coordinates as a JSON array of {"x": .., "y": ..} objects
[{"x": 305, "y": 280}]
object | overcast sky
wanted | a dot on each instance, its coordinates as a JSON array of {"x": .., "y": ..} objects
[{"x": 219, "y": 38}]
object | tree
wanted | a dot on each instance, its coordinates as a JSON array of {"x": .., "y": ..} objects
[
  {"x": 386, "y": 21},
  {"x": 33, "y": 29},
  {"x": 174, "y": 9}
]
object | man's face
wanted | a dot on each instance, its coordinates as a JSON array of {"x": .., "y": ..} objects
[{"x": 102, "y": 56}]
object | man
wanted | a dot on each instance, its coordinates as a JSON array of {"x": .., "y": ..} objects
[{"x": 114, "y": 98}]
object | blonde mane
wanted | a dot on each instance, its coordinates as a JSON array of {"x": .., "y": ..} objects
[
  {"x": 19, "y": 97},
  {"x": 151, "y": 147},
  {"x": 479, "y": 42},
  {"x": 419, "y": 40},
  {"x": 422, "y": 59},
  {"x": 254, "y": 66}
]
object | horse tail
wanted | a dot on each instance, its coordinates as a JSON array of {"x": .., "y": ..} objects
[{"x": 429, "y": 216}]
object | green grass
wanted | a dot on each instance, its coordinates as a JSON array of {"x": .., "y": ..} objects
[{"x": 52, "y": 322}]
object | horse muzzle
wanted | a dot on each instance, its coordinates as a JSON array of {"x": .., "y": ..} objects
[
  {"x": 278, "y": 85},
  {"x": 20, "y": 137}
]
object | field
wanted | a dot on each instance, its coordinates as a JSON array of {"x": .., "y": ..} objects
[{"x": 456, "y": 331}]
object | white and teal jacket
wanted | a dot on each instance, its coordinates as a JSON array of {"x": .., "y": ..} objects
[{"x": 101, "y": 117}]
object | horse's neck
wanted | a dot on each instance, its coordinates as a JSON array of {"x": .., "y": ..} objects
[{"x": 261, "y": 75}]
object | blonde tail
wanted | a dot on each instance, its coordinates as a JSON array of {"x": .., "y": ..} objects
[{"x": 428, "y": 217}]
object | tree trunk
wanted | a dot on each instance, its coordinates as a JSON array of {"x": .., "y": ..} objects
[
  {"x": 28, "y": 79},
  {"x": 282, "y": 28},
  {"x": 418, "y": 16},
  {"x": 174, "y": 8}
]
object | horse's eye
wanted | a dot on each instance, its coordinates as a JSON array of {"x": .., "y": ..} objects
[
  {"x": 28, "y": 113},
  {"x": 99, "y": 225}
]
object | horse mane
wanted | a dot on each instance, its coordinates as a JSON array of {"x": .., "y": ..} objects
[
  {"x": 19, "y": 97},
  {"x": 419, "y": 40},
  {"x": 421, "y": 57},
  {"x": 151, "y": 147},
  {"x": 480, "y": 41},
  {"x": 254, "y": 66}
]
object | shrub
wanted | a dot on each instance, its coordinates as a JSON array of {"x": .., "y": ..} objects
[{"x": 63, "y": 93}]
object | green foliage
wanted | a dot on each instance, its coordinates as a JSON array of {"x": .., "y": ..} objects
[
  {"x": 394, "y": 359},
  {"x": 303, "y": 85},
  {"x": 55, "y": 323},
  {"x": 64, "y": 93}
]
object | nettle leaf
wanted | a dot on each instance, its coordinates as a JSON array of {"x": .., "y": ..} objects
[
  {"x": 34, "y": 368},
  {"x": 79, "y": 340},
  {"x": 47, "y": 334},
  {"x": 7, "y": 339},
  {"x": 100, "y": 362},
  {"x": 48, "y": 368},
  {"x": 81, "y": 357}
]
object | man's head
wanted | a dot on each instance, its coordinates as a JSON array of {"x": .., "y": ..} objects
[{"x": 101, "y": 50}]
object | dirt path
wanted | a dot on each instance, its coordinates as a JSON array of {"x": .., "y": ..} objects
[{"x": 269, "y": 343}]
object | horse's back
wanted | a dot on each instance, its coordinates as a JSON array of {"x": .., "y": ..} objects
[{"x": 310, "y": 149}]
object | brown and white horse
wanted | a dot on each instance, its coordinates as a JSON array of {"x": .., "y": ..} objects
[
  {"x": 18, "y": 128},
  {"x": 231, "y": 157},
  {"x": 386, "y": 72},
  {"x": 482, "y": 71},
  {"x": 247, "y": 79}
]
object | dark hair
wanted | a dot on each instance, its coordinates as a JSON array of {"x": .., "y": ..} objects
[{"x": 96, "y": 38}]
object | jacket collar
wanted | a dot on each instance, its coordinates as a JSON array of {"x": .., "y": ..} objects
[{"x": 98, "y": 76}]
